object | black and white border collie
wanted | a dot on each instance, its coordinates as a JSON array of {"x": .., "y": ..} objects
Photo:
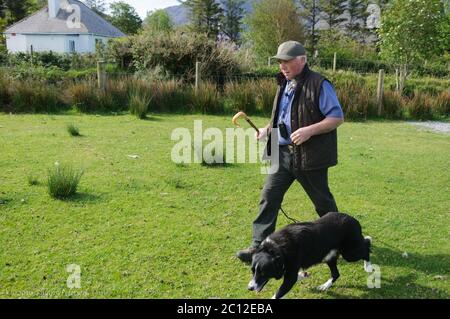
[{"x": 299, "y": 246}]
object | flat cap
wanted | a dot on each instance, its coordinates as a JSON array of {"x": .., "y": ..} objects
[{"x": 289, "y": 50}]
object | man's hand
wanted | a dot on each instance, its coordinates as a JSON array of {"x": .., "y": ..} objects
[
  {"x": 326, "y": 125},
  {"x": 262, "y": 134},
  {"x": 301, "y": 135}
]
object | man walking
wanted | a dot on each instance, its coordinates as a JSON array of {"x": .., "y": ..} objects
[{"x": 305, "y": 116}]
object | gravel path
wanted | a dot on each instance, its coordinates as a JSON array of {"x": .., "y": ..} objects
[{"x": 433, "y": 125}]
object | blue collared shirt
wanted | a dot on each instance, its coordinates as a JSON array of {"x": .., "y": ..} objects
[{"x": 328, "y": 103}]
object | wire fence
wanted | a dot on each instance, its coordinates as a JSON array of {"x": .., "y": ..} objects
[{"x": 260, "y": 71}]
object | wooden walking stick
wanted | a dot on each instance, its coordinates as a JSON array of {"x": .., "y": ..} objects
[{"x": 242, "y": 114}]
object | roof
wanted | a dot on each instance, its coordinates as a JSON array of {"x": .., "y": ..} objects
[{"x": 90, "y": 23}]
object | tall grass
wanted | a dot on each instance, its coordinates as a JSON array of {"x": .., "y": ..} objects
[
  {"x": 420, "y": 107},
  {"x": 240, "y": 96},
  {"x": 35, "y": 98},
  {"x": 73, "y": 130},
  {"x": 5, "y": 95},
  {"x": 393, "y": 104},
  {"x": 83, "y": 96},
  {"x": 265, "y": 92},
  {"x": 139, "y": 103},
  {"x": 63, "y": 181},
  {"x": 356, "y": 94},
  {"x": 206, "y": 99},
  {"x": 170, "y": 96},
  {"x": 441, "y": 103}
]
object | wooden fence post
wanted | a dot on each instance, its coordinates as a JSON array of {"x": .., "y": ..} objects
[
  {"x": 32, "y": 53},
  {"x": 197, "y": 76},
  {"x": 334, "y": 62},
  {"x": 380, "y": 90},
  {"x": 101, "y": 74}
]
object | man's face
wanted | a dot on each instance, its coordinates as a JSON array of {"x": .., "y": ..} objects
[{"x": 292, "y": 68}]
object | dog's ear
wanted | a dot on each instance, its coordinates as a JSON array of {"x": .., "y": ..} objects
[{"x": 279, "y": 266}]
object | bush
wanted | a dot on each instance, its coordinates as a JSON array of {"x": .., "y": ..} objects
[
  {"x": 120, "y": 50},
  {"x": 73, "y": 130},
  {"x": 49, "y": 59},
  {"x": 63, "y": 181},
  {"x": 139, "y": 103},
  {"x": 177, "y": 53},
  {"x": 32, "y": 180}
]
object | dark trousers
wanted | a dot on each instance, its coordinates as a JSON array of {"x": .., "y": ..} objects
[{"x": 315, "y": 184}]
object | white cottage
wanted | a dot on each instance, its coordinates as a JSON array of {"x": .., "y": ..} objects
[{"x": 64, "y": 26}]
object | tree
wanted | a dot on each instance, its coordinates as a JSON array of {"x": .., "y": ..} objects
[
  {"x": 333, "y": 9},
  {"x": 356, "y": 10},
  {"x": 99, "y": 6},
  {"x": 232, "y": 19},
  {"x": 410, "y": 33},
  {"x": 13, "y": 10},
  {"x": 125, "y": 17},
  {"x": 36, "y": 5},
  {"x": 311, "y": 13},
  {"x": 444, "y": 30},
  {"x": 158, "y": 21},
  {"x": 205, "y": 16},
  {"x": 273, "y": 22}
]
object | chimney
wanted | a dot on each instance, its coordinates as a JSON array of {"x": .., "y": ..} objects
[{"x": 53, "y": 8}]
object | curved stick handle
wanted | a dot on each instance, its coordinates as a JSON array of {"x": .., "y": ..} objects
[{"x": 242, "y": 114}]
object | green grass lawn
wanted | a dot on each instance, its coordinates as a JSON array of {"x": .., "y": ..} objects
[{"x": 148, "y": 228}]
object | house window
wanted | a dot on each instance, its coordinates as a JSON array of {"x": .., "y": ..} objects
[{"x": 71, "y": 46}]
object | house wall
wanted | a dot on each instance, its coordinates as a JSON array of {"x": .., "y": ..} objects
[
  {"x": 17, "y": 43},
  {"x": 84, "y": 43}
]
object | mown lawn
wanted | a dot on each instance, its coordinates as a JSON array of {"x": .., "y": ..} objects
[{"x": 148, "y": 228}]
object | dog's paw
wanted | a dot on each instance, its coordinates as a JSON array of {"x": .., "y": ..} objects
[
  {"x": 302, "y": 275},
  {"x": 368, "y": 266},
  {"x": 326, "y": 285}
]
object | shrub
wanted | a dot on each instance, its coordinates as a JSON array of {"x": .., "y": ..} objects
[
  {"x": 120, "y": 51},
  {"x": 32, "y": 180},
  {"x": 177, "y": 53},
  {"x": 139, "y": 103},
  {"x": 73, "y": 130},
  {"x": 63, "y": 181}
]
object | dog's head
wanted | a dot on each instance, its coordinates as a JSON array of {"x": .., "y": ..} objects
[{"x": 267, "y": 263}]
